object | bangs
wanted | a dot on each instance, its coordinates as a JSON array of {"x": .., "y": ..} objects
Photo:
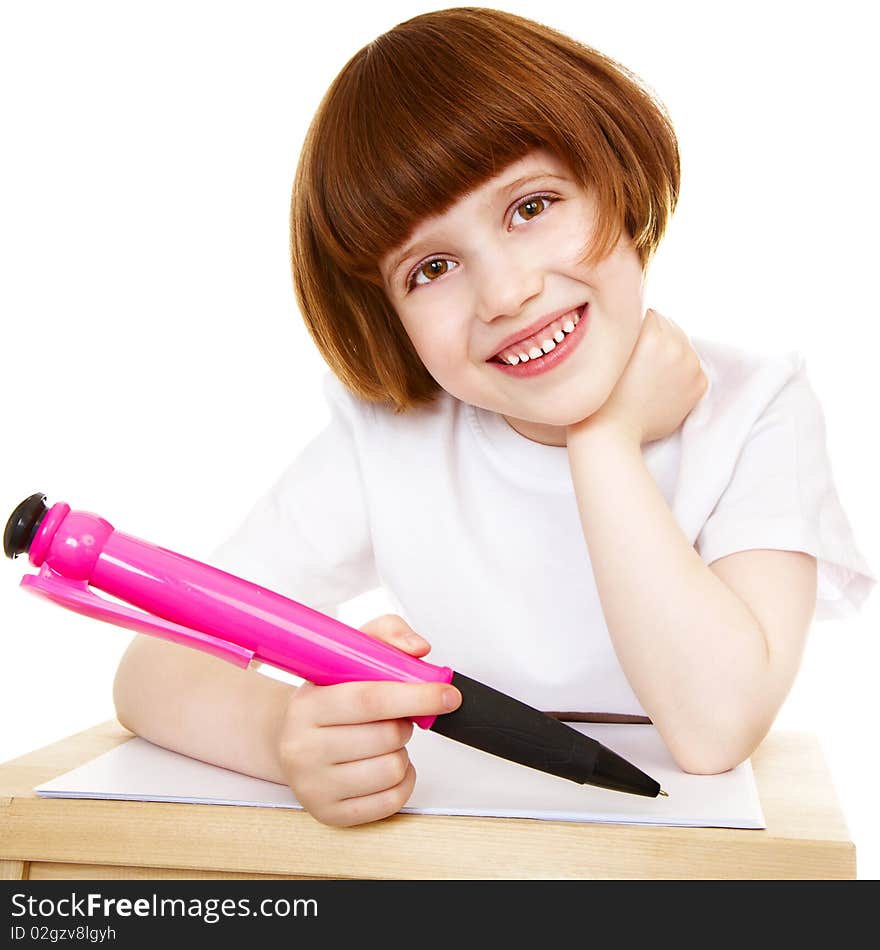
[{"x": 430, "y": 111}]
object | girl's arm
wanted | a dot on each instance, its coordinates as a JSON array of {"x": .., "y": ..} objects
[
  {"x": 711, "y": 651},
  {"x": 202, "y": 706}
]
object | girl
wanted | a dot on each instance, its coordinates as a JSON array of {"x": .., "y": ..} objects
[{"x": 572, "y": 500}]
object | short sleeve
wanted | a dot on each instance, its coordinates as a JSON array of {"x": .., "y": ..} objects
[
  {"x": 308, "y": 537},
  {"x": 782, "y": 496}
]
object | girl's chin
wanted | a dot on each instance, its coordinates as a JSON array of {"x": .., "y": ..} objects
[
  {"x": 563, "y": 416},
  {"x": 548, "y": 428},
  {"x": 565, "y": 407}
]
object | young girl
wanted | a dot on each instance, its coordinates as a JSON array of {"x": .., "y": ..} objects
[{"x": 566, "y": 497}]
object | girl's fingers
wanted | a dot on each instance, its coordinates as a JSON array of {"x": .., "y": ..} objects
[
  {"x": 664, "y": 321},
  {"x": 364, "y": 741},
  {"x": 368, "y": 776},
  {"x": 394, "y": 630},
  {"x": 351, "y": 703},
  {"x": 365, "y": 808}
]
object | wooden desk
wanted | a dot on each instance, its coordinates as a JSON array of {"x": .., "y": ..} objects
[{"x": 806, "y": 836}]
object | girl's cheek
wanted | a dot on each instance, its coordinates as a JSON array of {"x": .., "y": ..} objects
[
  {"x": 570, "y": 241},
  {"x": 437, "y": 343}
]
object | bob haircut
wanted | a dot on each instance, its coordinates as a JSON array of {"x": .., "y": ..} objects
[{"x": 423, "y": 115}]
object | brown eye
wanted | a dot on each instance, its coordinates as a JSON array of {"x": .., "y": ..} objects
[
  {"x": 434, "y": 269},
  {"x": 531, "y": 208},
  {"x": 429, "y": 271}
]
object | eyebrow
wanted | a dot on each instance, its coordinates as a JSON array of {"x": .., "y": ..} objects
[{"x": 412, "y": 250}]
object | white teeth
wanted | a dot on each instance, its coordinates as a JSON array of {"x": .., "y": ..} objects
[{"x": 547, "y": 345}]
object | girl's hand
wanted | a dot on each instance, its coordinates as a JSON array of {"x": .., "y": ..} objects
[
  {"x": 661, "y": 384},
  {"x": 343, "y": 747}
]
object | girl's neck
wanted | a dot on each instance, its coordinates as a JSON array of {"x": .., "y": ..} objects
[{"x": 538, "y": 431}]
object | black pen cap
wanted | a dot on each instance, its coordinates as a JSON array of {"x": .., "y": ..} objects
[
  {"x": 21, "y": 528},
  {"x": 494, "y": 722}
]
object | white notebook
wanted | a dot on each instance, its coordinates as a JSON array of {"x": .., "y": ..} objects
[{"x": 453, "y": 779}]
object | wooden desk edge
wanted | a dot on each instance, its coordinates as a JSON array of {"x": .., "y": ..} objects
[{"x": 805, "y": 837}]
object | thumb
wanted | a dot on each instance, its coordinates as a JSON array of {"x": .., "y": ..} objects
[{"x": 394, "y": 630}]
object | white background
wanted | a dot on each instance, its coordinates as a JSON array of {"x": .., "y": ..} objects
[{"x": 155, "y": 370}]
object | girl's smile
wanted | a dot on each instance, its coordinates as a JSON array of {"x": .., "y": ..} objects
[
  {"x": 501, "y": 307},
  {"x": 546, "y": 348}
]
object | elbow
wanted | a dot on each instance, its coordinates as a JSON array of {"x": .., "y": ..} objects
[
  {"x": 124, "y": 690},
  {"x": 705, "y": 765},
  {"x": 120, "y": 704},
  {"x": 123, "y": 714},
  {"x": 720, "y": 754}
]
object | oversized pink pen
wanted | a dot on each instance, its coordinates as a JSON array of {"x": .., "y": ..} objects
[{"x": 188, "y": 602}]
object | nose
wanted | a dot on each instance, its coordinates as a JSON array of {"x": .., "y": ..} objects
[{"x": 506, "y": 281}]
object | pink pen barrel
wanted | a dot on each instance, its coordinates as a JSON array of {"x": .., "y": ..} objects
[{"x": 280, "y": 631}]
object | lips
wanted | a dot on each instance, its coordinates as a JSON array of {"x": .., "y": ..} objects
[
  {"x": 534, "y": 329},
  {"x": 547, "y": 360}
]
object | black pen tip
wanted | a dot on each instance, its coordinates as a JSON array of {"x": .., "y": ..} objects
[{"x": 617, "y": 774}]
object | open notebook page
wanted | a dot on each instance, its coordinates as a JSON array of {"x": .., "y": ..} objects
[{"x": 453, "y": 779}]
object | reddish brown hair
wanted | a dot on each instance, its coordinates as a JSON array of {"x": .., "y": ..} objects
[{"x": 423, "y": 115}]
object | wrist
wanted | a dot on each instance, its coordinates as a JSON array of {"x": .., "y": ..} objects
[
  {"x": 604, "y": 429},
  {"x": 268, "y": 714}
]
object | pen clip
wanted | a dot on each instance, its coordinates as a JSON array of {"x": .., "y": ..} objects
[{"x": 76, "y": 595}]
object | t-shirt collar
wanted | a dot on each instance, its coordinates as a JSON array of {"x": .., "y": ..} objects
[{"x": 544, "y": 466}]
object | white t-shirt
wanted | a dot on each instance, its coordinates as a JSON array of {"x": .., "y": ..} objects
[{"x": 474, "y": 531}]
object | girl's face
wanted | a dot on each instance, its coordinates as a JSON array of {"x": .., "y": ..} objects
[{"x": 499, "y": 277}]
